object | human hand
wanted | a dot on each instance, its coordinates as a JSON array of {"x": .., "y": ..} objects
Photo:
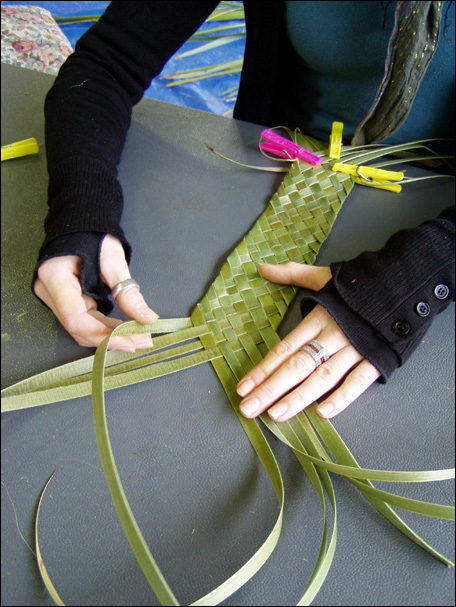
[
  {"x": 268, "y": 386},
  {"x": 58, "y": 286}
]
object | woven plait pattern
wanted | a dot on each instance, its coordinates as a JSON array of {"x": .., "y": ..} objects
[{"x": 242, "y": 309}]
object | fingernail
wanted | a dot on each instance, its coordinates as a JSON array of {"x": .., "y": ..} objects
[
  {"x": 250, "y": 406},
  {"x": 149, "y": 316},
  {"x": 325, "y": 410},
  {"x": 145, "y": 344},
  {"x": 277, "y": 411},
  {"x": 244, "y": 387}
]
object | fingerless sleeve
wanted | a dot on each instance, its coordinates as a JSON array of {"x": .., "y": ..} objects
[
  {"x": 88, "y": 108},
  {"x": 87, "y": 116},
  {"x": 87, "y": 246},
  {"x": 385, "y": 301}
]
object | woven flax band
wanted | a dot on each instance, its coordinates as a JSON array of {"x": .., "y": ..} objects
[{"x": 242, "y": 309}]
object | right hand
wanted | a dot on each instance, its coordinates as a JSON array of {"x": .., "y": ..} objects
[
  {"x": 288, "y": 380},
  {"x": 59, "y": 287}
]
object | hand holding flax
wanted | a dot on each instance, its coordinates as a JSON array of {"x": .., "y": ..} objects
[
  {"x": 59, "y": 287},
  {"x": 288, "y": 380}
]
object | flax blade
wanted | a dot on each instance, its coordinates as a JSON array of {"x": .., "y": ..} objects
[
  {"x": 319, "y": 478},
  {"x": 295, "y": 430},
  {"x": 263, "y": 450},
  {"x": 341, "y": 452},
  {"x": 351, "y": 472},
  {"x": 41, "y": 566},
  {"x": 303, "y": 446},
  {"x": 131, "y": 529},
  {"x": 230, "y": 371},
  {"x": 126, "y": 517},
  {"x": 73, "y": 380},
  {"x": 218, "y": 41}
]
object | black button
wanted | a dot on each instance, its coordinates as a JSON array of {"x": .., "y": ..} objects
[
  {"x": 423, "y": 309},
  {"x": 401, "y": 327},
  {"x": 441, "y": 291}
]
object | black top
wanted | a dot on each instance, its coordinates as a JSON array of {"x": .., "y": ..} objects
[{"x": 88, "y": 113}]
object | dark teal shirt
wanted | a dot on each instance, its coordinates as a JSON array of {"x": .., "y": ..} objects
[{"x": 339, "y": 64}]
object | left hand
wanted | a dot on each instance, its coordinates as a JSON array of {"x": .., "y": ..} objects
[
  {"x": 59, "y": 287},
  {"x": 269, "y": 386}
]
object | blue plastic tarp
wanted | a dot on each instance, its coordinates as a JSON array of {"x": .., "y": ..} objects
[{"x": 211, "y": 94}]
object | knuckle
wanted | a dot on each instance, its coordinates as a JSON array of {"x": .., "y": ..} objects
[
  {"x": 62, "y": 264},
  {"x": 44, "y": 271},
  {"x": 266, "y": 393},
  {"x": 259, "y": 375},
  {"x": 296, "y": 401},
  {"x": 326, "y": 372},
  {"x": 283, "y": 349},
  {"x": 112, "y": 254},
  {"x": 69, "y": 323},
  {"x": 38, "y": 288},
  {"x": 290, "y": 266},
  {"x": 299, "y": 362},
  {"x": 294, "y": 271},
  {"x": 131, "y": 295}
]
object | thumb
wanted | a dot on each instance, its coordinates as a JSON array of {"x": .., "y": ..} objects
[
  {"x": 114, "y": 269},
  {"x": 133, "y": 304},
  {"x": 298, "y": 274}
]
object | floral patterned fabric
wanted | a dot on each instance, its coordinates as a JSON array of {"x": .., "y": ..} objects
[{"x": 32, "y": 39}]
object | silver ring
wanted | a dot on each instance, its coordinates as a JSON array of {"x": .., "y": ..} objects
[
  {"x": 123, "y": 285},
  {"x": 316, "y": 351}
]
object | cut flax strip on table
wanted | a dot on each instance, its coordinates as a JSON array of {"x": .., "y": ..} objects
[{"x": 233, "y": 327}]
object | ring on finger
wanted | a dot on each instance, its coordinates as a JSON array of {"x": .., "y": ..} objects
[
  {"x": 317, "y": 352},
  {"x": 123, "y": 285}
]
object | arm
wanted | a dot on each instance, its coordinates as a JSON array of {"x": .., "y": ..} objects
[
  {"x": 88, "y": 113},
  {"x": 88, "y": 109}
]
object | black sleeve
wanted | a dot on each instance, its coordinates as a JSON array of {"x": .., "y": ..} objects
[
  {"x": 385, "y": 301},
  {"x": 88, "y": 113}
]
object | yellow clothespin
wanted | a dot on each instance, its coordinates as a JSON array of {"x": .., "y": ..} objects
[
  {"x": 372, "y": 177},
  {"x": 20, "y": 148},
  {"x": 335, "y": 140}
]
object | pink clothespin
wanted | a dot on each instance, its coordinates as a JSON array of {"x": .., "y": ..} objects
[{"x": 285, "y": 148}]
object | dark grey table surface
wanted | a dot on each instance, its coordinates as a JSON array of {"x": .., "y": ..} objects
[{"x": 200, "y": 495}]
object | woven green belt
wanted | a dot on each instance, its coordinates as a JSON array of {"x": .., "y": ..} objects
[
  {"x": 233, "y": 327},
  {"x": 242, "y": 309}
]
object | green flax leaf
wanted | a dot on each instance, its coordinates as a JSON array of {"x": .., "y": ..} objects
[
  {"x": 219, "y": 41},
  {"x": 126, "y": 517},
  {"x": 41, "y": 566}
]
